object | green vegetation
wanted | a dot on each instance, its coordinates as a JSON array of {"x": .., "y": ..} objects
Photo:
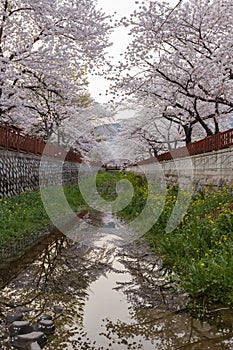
[
  {"x": 199, "y": 252},
  {"x": 106, "y": 183},
  {"x": 23, "y": 215},
  {"x": 20, "y": 216}
]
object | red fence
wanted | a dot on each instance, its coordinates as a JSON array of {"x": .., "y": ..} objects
[
  {"x": 208, "y": 144},
  {"x": 13, "y": 140}
]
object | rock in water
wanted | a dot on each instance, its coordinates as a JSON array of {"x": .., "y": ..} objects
[
  {"x": 19, "y": 327},
  {"x": 34, "y": 346},
  {"x": 25, "y": 340},
  {"x": 46, "y": 326},
  {"x": 58, "y": 309},
  {"x": 44, "y": 317},
  {"x": 24, "y": 309},
  {"x": 10, "y": 318}
]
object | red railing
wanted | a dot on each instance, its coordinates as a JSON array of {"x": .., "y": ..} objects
[
  {"x": 208, "y": 144},
  {"x": 13, "y": 140}
]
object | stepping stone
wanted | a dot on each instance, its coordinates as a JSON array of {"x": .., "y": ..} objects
[
  {"x": 10, "y": 318},
  {"x": 34, "y": 346},
  {"x": 44, "y": 317},
  {"x": 19, "y": 327},
  {"x": 58, "y": 309},
  {"x": 24, "y": 309},
  {"x": 46, "y": 326},
  {"x": 25, "y": 340}
]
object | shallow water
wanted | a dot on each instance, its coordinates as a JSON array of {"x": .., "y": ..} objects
[{"x": 114, "y": 293}]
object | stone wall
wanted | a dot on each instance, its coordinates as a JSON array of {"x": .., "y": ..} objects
[
  {"x": 209, "y": 169},
  {"x": 23, "y": 172}
]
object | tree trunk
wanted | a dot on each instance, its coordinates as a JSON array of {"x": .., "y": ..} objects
[
  {"x": 188, "y": 133},
  {"x": 197, "y": 116},
  {"x": 208, "y": 131},
  {"x": 216, "y": 131}
]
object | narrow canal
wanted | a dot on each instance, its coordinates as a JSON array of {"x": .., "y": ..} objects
[{"x": 110, "y": 295}]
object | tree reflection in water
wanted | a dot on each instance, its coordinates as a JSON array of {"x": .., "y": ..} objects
[
  {"x": 56, "y": 272},
  {"x": 59, "y": 272}
]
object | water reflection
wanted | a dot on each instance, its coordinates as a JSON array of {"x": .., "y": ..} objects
[
  {"x": 94, "y": 227},
  {"x": 113, "y": 297}
]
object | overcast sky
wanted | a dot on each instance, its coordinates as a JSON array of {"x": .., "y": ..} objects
[
  {"x": 98, "y": 85},
  {"x": 119, "y": 38}
]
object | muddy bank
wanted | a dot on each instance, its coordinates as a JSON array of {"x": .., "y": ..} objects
[{"x": 114, "y": 296}]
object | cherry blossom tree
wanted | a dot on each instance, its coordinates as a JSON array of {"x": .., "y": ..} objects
[
  {"x": 46, "y": 48},
  {"x": 79, "y": 130},
  {"x": 156, "y": 134},
  {"x": 179, "y": 63},
  {"x": 50, "y": 102}
]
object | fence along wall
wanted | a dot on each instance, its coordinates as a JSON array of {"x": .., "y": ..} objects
[
  {"x": 19, "y": 172},
  {"x": 12, "y": 139},
  {"x": 214, "y": 168},
  {"x": 211, "y": 143}
]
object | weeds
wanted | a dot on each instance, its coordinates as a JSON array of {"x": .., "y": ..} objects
[
  {"x": 199, "y": 251},
  {"x": 23, "y": 215}
]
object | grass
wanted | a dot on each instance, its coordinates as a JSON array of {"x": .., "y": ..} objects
[
  {"x": 199, "y": 251},
  {"x": 24, "y": 214},
  {"x": 20, "y": 216}
]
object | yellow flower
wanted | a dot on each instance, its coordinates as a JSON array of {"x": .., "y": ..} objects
[{"x": 202, "y": 264}]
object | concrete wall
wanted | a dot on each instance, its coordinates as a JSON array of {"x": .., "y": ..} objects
[
  {"x": 214, "y": 168},
  {"x": 22, "y": 172}
]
